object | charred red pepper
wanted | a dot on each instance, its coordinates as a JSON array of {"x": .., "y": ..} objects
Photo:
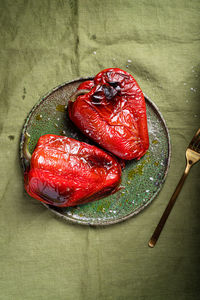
[
  {"x": 65, "y": 172},
  {"x": 111, "y": 111}
]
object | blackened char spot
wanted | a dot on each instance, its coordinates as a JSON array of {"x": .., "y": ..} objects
[
  {"x": 109, "y": 92},
  {"x": 115, "y": 85},
  {"x": 98, "y": 161},
  {"x": 56, "y": 197},
  {"x": 98, "y": 95},
  {"x": 97, "y": 98}
]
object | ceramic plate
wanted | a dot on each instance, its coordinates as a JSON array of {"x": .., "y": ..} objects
[{"x": 141, "y": 180}]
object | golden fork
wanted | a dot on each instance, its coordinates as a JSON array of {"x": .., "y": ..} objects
[{"x": 192, "y": 157}]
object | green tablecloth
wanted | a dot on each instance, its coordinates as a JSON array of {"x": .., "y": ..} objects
[{"x": 45, "y": 43}]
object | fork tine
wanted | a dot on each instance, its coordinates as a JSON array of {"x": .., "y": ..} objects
[
  {"x": 197, "y": 146},
  {"x": 195, "y": 140}
]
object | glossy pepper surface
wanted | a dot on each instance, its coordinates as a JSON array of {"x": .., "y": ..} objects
[
  {"x": 111, "y": 111},
  {"x": 65, "y": 172}
]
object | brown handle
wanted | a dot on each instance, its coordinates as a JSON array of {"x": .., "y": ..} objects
[{"x": 168, "y": 209}]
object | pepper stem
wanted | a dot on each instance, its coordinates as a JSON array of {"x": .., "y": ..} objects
[
  {"x": 78, "y": 93},
  {"x": 26, "y": 152}
]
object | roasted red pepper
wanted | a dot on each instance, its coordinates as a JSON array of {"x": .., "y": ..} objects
[
  {"x": 65, "y": 172},
  {"x": 111, "y": 111}
]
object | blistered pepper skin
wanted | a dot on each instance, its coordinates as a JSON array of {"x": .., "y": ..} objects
[
  {"x": 65, "y": 172},
  {"x": 113, "y": 113}
]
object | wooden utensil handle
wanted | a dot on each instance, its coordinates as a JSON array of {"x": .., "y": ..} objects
[{"x": 168, "y": 209}]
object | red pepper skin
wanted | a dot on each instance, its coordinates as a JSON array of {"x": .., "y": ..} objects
[
  {"x": 113, "y": 113},
  {"x": 65, "y": 172}
]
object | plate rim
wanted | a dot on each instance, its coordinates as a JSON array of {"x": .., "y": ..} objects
[{"x": 116, "y": 220}]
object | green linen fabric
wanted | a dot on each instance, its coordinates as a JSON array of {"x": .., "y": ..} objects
[{"x": 45, "y": 43}]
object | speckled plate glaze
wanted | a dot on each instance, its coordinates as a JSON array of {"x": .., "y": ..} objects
[{"x": 141, "y": 180}]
